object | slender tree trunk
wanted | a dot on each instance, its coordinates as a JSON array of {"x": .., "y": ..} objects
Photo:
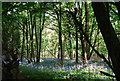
[
  {"x": 32, "y": 49},
  {"x": 70, "y": 43},
  {"x": 27, "y": 38},
  {"x": 60, "y": 36},
  {"x": 23, "y": 42},
  {"x": 69, "y": 38},
  {"x": 58, "y": 52},
  {"x": 91, "y": 33},
  {"x": 29, "y": 35},
  {"x": 86, "y": 32},
  {"x": 42, "y": 21},
  {"x": 36, "y": 35},
  {"x": 90, "y": 54},
  {"x": 82, "y": 45},
  {"x": 64, "y": 44},
  {"x": 83, "y": 40},
  {"x": 109, "y": 36},
  {"x": 76, "y": 44},
  {"x": 40, "y": 45},
  {"x": 84, "y": 52},
  {"x": 73, "y": 14},
  {"x": 40, "y": 31}
]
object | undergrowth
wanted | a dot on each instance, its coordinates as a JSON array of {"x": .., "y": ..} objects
[{"x": 43, "y": 72}]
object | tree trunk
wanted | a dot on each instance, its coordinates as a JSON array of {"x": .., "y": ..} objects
[
  {"x": 42, "y": 21},
  {"x": 23, "y": 42},
  {"x": 90, "y": 54},
  {"x": 27, "y": 38},
  {"x": 38, "y": 58},
  {"x": 76, "y": 44},
  {"x": 60, "y": 36},
  {"x": 70, "y": 43},
  {"x": 109, "y": 35},
  {"x": 58, "y": 52},
  {"x": 85, "y": 52},
  {"x": 36, "y": 35},
  {"x": 29, "y": 33},
  {"x": 32, "y": 48}
]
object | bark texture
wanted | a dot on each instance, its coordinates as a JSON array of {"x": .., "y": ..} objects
[{"x": 109, "y": 35}]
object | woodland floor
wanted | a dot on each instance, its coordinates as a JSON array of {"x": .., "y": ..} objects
[{"x": 50, "y": 67}]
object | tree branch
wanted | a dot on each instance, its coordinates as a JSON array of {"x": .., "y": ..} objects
[
  {"x": 77, "y": 23},
  {"x": 107, "y": 74}
]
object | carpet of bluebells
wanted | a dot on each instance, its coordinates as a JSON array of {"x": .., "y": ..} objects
[{"x": 49, "y": 68}]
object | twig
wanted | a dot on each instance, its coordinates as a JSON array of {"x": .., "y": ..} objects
[{"x": 107, "y": 74}]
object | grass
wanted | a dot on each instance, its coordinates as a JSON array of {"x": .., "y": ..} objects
[
  {"x": 31, "y": 73},
  {"x": 49, "y": 68}
]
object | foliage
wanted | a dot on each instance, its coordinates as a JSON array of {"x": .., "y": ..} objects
[{"x": 37, "y": 29}]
